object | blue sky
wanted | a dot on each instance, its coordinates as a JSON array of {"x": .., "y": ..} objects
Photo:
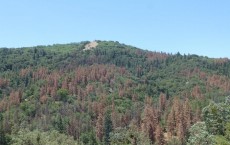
[{"x": 188, "y": 26}]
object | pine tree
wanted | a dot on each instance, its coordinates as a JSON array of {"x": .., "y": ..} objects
[
  {"x": 177, "y": 107},
  {"x": 99, "y": 127},
  {"x": 108, "y": 127},
  {"x": 159, "y": 136},
  {"x": 187, "y": 115},
  {"x": 181, "y": 133},
  {"x": 171, "y": 124},
  {"x": 149, "y": 122},
  {"x": 60, "y": 124}
]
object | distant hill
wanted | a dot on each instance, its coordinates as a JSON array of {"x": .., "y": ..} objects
[{"x": 105, "y": 92}]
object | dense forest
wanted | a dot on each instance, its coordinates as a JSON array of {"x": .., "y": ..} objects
[{"x": 104, "y": 92}]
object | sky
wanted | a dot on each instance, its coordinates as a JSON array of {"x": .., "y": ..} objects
[{"x": 187, "y": 26}]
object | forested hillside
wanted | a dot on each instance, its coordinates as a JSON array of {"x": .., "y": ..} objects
[{"x": 111, "y": 93}]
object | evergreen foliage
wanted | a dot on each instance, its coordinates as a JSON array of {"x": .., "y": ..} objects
[{"x": 111, "y": 94}]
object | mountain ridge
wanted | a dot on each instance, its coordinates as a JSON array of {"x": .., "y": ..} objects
[{"x": 109, "y": 41}]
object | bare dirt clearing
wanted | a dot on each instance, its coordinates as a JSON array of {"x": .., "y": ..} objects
[{"x": 91, "y": 45}]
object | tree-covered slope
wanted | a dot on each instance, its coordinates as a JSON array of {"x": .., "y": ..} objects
[{"x": 108, "y": 94}]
